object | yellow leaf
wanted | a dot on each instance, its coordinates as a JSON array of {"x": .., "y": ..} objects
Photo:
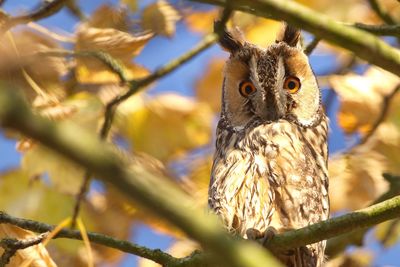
[
  {"x": 84, "y": 74},
  {"x": 361, "y": 97},
  {"x": 359, "y": 257},
  {"x": 65, "y": 175},
  {"x": 262, "y": 32},
  {"x": 160, "y": 18},
  {"x": 355, "y": 179},
  {"x": 388, "y": 233},
  {"x": 120, "y": 45},
  {"x": 107, "y": 16},
  {"x": 209, "y": 85},
  {"x": 166, "y": 125},
  {"x": 202, "y": 21},
  {"x": 35, "y": 256},
  {"x": 179, "y": 249},
  {"x": 19, "y": 66},
  {"x": 132, "y": 4}
]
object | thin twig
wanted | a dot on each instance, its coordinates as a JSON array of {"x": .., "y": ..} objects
[
  {"x": 43, "y": 11},
  {"x": 136, "y": 85},
  {"x": 75, "y": 10},
  {"x": 311, "y": 46},
  {"x": 382, "y": 116},
  {"x": 380, "y": 12},
  {"x": 113, "y": 64},
  {"x": 12, "y": 245},
  {"x": 83, "y": 189},
  {"x": 122, "y": 245},
  {"x": 384, "y": 30}
]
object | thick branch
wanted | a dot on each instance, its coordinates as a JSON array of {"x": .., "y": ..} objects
[
  {"x": 349, "y": 223},
  {"x": 361, "y": 43},
  {"x": 361, "y": 219},
  {"x": 44, "y": 11},
  {"x": 160, "y": 195}
]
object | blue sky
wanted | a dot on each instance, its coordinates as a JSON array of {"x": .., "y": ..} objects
[{"x": 181, "y": 81}]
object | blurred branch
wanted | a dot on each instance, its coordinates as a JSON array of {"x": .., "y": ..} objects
[
  {"x": 380, "y": 12},
  {"x": 46, "y": 10},
  {"x": 158, "y": 194},
  {"x": 338, "y": 244},
  {"x": 384, "y": 30},
  {"x": 361, "y": 43},
  {"x": 11, "y": 245},
  {"x": 311, "y": 46},
  {"x": 382, "y": 116},
  {"x": 75, "y": 10}
]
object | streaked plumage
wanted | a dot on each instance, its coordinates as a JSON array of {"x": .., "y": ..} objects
[{"x": 270, "y": 163}]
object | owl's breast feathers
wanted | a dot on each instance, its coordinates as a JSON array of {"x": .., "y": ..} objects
[{"x": 270, "y": 175}]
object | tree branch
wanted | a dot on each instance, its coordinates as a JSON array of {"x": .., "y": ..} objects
[
  {"x": 382, "y": 116},
  {"x": 311, "y": 46},
  {"x": 136, "y": 85},
  {"x": 132, "y": 180},
  {"x": 11, "y": 245},
  {"x": 43, "y": 11},
  {"x": 380, "y": 12},
  {"x": 384, "y": 30},
  {"x": 125, "y": 246},
  {"x": 361, "y": 219},
  {"x": 350, "y": 223},
  {"x": 361, "y": 43}
]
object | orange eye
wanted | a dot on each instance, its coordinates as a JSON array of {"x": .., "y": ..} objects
[
  {"x": 292, "y": 84},
  {"x": 246, "y": 88}
]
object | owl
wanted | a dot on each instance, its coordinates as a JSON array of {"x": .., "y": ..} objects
[{"x": 269, "y": 172}]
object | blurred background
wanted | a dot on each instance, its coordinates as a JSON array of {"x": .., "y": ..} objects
[{"x": 172, "y": 121}]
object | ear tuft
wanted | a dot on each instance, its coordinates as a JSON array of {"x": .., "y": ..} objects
[
  {"x": 230, "y": 41},
  {"x": 289, "y": 35}
]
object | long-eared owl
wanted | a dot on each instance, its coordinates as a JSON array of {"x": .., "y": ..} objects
[{"x": 270, "y": 164}]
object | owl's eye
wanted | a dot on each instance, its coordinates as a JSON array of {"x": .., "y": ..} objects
[
  {"x": 246, "y": 88},
  {"x": 292, "y": 84}
]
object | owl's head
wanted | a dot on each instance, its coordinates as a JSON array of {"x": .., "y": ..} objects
[{"x": 270, "y": 83}]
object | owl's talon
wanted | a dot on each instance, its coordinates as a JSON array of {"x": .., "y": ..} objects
[
  {"x": 253, "y": 234},
  {"x": 268, "y": 235}
]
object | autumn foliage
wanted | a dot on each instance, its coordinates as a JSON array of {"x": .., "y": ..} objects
[{"x": 73, "y": 76}]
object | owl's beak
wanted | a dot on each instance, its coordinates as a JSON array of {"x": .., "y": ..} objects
[{"x": 275, "y": 109}]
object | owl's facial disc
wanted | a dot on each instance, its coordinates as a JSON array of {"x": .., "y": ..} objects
[{"x": 269, "y": 84}]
